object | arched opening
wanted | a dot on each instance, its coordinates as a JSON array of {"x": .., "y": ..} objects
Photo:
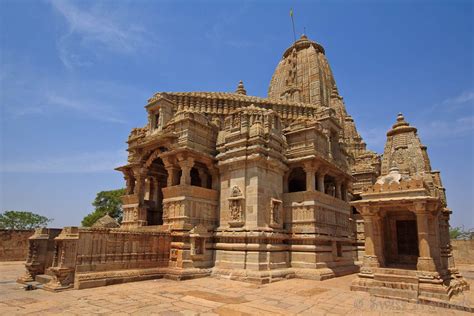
[
  {"x": 297, "y": 180},
  {"x": 156, "y": 180}
]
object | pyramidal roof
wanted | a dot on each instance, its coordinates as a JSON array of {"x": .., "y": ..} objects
[{"x": 106, "y": 221}]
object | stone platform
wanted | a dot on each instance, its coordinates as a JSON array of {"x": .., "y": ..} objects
[{"x": 210, "y": 296}]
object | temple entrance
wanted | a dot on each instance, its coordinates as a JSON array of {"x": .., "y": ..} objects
[
  {"x": 156, "y": 180},
  {"x": 407, "y": 238},
  {"x": 401, "y": 235}
]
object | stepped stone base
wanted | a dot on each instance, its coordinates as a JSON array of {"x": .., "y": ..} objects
[
  {"x": 412, "y": 285},
  {"x": 43, "y": 278},
  {"x": 253, "y": 276},
  {"x": 186, "y": 274},
  {"x": 325, "y": 273}
]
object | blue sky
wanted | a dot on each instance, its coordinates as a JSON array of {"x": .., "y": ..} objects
[{"x": 75, "y": 75}]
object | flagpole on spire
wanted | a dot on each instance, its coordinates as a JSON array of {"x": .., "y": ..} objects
[
  {"x": 294, "y": 44},
  {"x": 293, "y": 24}
]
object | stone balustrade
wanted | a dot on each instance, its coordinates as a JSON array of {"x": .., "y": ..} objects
[
  {"x": 88, "y": 257},
  {"x": 316, "y": 212},
  {"x": 185, "y": 206}
]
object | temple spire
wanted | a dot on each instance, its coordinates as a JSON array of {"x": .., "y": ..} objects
[{"x": 241, "y": 89}]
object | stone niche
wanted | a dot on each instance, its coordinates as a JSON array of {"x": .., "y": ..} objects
[
  {"x": 198, "y": 237},
  {"x": 236, "y": 207},
  {"x": 276, "y": 213}
]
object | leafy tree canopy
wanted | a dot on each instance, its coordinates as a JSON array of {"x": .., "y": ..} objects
[
  {"x": 22, "y": 220},
  {"x": 460, "y": 233},
  {"x": 106, "y": 202}
]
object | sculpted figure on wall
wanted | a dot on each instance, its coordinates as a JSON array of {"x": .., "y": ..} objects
[{"x": 235, "y": 207}]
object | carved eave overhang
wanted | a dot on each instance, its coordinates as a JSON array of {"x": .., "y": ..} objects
[
  {"x": 328, "y": 115},
  {"x": 185, "y": 152},
  {"x": 156, "y": 101},
  {"x": 165, "y": 137},
  {"x": 406, "y": 193},
  {"x": 399, "y": 203}
]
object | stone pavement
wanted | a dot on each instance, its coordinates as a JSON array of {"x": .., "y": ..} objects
[{"x": 207, "y": 296}]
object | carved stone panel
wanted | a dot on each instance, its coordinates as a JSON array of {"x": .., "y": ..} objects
[
  {"x": 236, "y": 210},
  {"x": 276, "y": 213}
]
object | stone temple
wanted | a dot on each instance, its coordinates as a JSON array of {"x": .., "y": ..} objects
[{"x": 223, "y": 184}]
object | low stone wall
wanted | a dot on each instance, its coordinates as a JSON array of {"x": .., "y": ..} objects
[
  {"x": 14, "y": 244},
  {"x": 463, "y": 251}
]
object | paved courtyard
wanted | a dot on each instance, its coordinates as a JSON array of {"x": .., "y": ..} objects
[{"x": 208, "y": 296}]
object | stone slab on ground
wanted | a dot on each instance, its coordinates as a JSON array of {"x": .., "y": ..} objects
[{"x": 208, "y": 296}]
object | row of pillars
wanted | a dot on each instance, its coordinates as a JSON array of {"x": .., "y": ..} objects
[
  {"x": 179, "y": 173},
  {"x": 313, "y": 174},
  {"x": 185, "y": 165}
]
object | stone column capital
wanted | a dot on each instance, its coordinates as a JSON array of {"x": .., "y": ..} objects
[
  {"x": 310, "y": 166},
  {"x": 186, "y": 162},
  {"x": 323, "y": 170}
]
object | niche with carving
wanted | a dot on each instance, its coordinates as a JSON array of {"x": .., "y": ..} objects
[
  {"x": 236, "y": 210},
  {"x": 276, "y": 213},
  {"x": 198, "y": 236}
]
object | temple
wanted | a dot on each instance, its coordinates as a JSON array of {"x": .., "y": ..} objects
[{"x": 222, "y": 184}]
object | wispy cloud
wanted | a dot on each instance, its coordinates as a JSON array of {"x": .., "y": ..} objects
[
  {"x": 449, "y": 128},
  {"x": 464, "y": 100},
  {"x": 95, "y": 28},
  {"x": 101, "y": 161},
  {"x": 49, "y": 95},
  {"x": 466, "y": 97},
  {"x": 85, "y": 107},
  {"x": 374, "y": 137}
]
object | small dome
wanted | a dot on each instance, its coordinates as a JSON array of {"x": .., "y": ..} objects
[{"x": 106, "y": 221}]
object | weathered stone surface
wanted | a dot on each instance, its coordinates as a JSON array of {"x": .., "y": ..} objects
[
  {"x": 14, "y": 244},
  {"x": 211, "y": 296},
  {"x": 463, "y": 251}
]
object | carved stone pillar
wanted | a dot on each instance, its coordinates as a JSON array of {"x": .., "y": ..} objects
[
  {"x": 321, "y": 175},
  {"x": 129, "y": 181},
  {"x": 215, "y": 178},
  {"x": 310, "y": 177},
  {"x": 173, "y": 172},
  {"x": 339, "y": 189},
  {"x": 186, "y": 166},
  {"x": 140, "y": 212},
  {"x": 373, "y": 243},
  {"x": 425, "y": 260},
  {"x": 140, "y": 176}
]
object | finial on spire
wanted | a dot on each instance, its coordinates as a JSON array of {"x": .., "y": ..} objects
[
  {"x": 400, "y": 117},
  {"x": 241, "y": 89}
]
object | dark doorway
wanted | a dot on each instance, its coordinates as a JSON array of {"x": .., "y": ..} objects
[
  {"x": 297, "y": 180},
  {"x": 407, "y": 238}
]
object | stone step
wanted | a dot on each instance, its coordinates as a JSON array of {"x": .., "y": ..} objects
[{"x": 43, "y": 278}]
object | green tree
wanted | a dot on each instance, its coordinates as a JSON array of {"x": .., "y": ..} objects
[
  {"x": 22, "y": 220},
  {"x": 460, "y": 233},
  {"x": 106, "y": 202}
]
